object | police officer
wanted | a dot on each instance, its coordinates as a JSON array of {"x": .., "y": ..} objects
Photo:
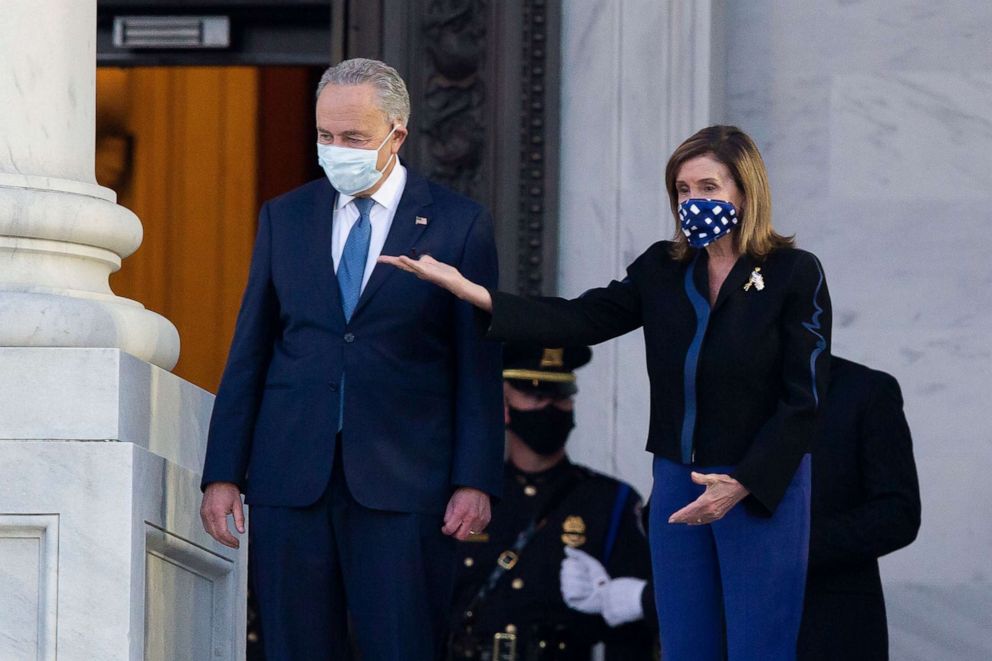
[{"x": 564, "y": 562}]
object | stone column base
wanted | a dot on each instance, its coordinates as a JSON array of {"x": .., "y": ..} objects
[{"x": 102, "y": 555}]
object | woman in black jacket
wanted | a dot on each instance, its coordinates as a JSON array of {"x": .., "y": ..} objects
[{"x": 736, "y": 328}]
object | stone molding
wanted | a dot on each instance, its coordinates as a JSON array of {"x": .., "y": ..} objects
[{"x": 44, "y": 529}]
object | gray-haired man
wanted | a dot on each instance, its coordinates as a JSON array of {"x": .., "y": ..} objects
[{"x": 360, "y": 412}]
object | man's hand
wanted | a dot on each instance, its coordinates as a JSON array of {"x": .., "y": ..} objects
[
  {"x": 722, "y": 493},
  {"x": 467, "y": 514},
  {"x": 219, "y": 500}
]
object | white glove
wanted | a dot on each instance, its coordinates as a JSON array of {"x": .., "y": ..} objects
[
  {"x": 586, "y": 587},
  {"x": 583, "y": 579},
  {"x": 623, "y": 600}
]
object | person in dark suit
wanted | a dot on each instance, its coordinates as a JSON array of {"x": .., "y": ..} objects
[
  {"x": 580, "y": 576},
  {"x": 866, "y": 503},
  {"x": 360, "y": 412},
  {"x": 736, "y": 324}
]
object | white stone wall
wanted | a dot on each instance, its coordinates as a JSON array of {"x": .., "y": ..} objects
[{"x": 875, "y": 120}]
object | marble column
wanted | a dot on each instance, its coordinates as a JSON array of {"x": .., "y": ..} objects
[
  {"x": 62, "y": 235},
  {"x": 102, "y": 555},
  {"x": 637, "y": 81}
]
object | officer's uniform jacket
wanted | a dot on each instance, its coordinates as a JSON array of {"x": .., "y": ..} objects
[{"x": 527, "y": 601}]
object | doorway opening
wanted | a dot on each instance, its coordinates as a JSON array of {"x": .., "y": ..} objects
[{"x": 193, "y": 151}]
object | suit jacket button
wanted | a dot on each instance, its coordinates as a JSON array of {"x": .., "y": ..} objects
[{"x": 349, "y": 337}]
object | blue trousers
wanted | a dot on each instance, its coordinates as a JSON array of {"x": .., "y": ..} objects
[
  {"x": 732, "y": 589},
  {"x": 313, "y": 567}
]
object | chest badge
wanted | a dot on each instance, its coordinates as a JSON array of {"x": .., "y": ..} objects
[
  {"x": 756, "y": 280},
  {"x": 420, "y": 220},
  {"x": 574, "y": 532}
]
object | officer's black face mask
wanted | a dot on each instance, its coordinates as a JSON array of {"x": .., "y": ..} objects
[{"x": 545, "y": 430}]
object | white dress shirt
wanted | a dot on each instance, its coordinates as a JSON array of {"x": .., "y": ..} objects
[{"x": 386, "y": 199}]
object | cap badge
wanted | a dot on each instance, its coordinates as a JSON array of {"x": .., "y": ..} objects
[
  {"x": 553, "y": 358},
  {"x": 574, "y": 532}
]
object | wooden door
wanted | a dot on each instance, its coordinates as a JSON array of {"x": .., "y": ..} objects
[{"x": 184, "y": 140}]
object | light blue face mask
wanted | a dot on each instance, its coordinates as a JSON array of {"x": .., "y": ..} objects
[{"x": 352, "y": 170}]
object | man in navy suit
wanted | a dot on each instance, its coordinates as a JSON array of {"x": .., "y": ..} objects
[{"x": 360, "y": 411}]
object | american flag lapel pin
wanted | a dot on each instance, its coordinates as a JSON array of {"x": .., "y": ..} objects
[{"x": 420, "y": 220}]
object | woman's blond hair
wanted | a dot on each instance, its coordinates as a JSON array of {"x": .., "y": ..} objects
[{"x": 729, "y": 145}]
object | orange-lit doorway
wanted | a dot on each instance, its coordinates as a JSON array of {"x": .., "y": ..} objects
[{"x": 192, "y": 151}]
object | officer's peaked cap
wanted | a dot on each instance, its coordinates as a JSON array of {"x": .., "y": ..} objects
[{"x": 543, "y": 370}]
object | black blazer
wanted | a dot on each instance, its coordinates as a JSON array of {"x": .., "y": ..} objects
[
  {"x": 866, "y": 503},
  {"x": 738, "y": 384},
  {"x": 423, "y": 394}
]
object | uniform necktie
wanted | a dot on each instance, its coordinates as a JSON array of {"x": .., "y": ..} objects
[{"x": 351, "y": 270}]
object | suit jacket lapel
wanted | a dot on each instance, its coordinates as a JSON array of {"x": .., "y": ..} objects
[
  {"x": 318, "y": 249},
  {"x": 403, "y": 233},
  {"x": 736, "y": 279}
]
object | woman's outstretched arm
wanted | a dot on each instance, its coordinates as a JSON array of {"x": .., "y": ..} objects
[{"x": 596, "y": 316}]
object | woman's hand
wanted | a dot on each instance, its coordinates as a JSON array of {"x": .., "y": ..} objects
[
  {"x": 429, "y": 269},
  {"x": 722, "y": 493}
]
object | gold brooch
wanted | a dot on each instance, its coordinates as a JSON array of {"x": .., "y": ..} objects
[{"x": 756, "y": 279}]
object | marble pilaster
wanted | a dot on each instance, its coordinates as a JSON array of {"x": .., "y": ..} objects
[{"x": 636, "y": 83}]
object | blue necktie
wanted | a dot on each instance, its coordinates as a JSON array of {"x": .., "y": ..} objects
[{"x": 351, "y": 270}]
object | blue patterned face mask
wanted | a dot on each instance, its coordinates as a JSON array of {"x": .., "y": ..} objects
[{"x": 705, "y": 221}]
